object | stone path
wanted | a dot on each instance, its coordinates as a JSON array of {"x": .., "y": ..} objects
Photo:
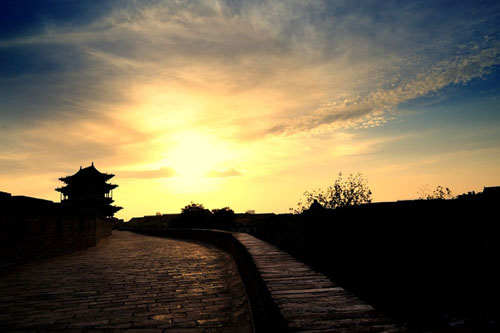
[
  {"x": 307, "y": 300},
  {"x": 128, "y": 281}
]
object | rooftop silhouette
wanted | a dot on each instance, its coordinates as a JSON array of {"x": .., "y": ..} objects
[{"x": 88, "y": 187}]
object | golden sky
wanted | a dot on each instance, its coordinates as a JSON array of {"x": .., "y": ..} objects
[{"x": 249, "y": 104}]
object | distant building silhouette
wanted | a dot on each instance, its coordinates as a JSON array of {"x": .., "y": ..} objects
[
  {"x": 491, "y": 193},
  {"x": 89, "y": 188}
]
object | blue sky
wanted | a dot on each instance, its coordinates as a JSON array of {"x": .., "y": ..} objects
[{"x": 275, "y": 97}]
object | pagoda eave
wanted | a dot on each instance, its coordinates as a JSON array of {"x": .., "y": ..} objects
[{"x": 62, "y": 189}]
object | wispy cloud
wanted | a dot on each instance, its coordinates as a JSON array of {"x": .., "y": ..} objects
[
  {"x": 223, "y": 173},
  {"x": 313, "y": 72},
  {"x": 372, "y": 109}
]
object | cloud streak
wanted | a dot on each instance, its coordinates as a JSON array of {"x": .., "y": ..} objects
[
  {"x": 223, "y": 173},
  {"x": 371, "y": 109}
]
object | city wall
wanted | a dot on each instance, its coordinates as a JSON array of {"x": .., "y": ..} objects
[
  {"x": 424, "y": 262},
  {"x": 33, "y": 228}
]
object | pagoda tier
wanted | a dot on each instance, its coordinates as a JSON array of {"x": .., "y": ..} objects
[
  {"x": 88, "y": 173},
  {"x": 88, "y": 188}
]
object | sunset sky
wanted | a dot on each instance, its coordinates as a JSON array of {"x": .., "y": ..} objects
[{"x": 248, "y": 104}]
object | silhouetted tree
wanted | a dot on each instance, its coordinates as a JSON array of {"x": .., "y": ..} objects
[
  {"x": 352, "y": 191},
  {"x": 439, "y": 193},
  {"x": 193, "y": 208},
  {"x": 223, "y": 218},
  {"x": 193, "y": 215}
]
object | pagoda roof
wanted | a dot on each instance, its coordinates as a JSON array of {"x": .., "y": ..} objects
[{"x": 87, "y": 173}]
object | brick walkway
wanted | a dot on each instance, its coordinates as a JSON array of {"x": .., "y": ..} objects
[{"x": 128, "y": 281}]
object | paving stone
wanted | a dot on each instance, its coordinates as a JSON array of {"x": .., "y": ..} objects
[{"x": 128, "y": 281}]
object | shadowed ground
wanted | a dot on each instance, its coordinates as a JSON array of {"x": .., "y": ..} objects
[{"x": 128, "y": 281}]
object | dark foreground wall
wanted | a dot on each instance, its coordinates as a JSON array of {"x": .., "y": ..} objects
[
  {"x": 431, "y": 263},
  {"x": 33, "y": 228}
]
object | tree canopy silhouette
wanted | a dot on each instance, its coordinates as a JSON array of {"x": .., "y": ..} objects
[
  {"x": 223, "y": 218},
  {"x": 439, "y": 193},
  {"x": 194, "y": 208},
  {"x": 349, "y": 192},
  {"x": 195, "y": 215}
]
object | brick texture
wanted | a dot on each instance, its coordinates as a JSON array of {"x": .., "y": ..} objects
[{"x": 128, "y": 281}]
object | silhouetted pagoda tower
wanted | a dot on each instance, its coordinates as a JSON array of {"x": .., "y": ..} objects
[{"x": 89, "y": 188}]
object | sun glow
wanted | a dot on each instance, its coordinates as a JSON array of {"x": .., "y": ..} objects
[{"x": 193, "y": 156}]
